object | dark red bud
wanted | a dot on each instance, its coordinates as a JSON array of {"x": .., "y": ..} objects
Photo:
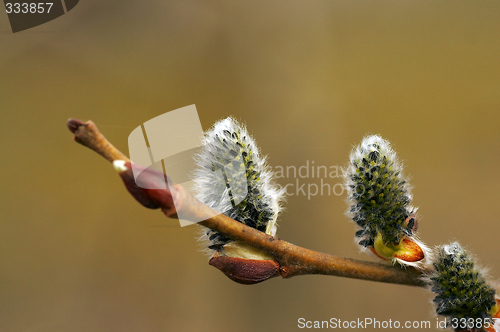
[
  {"x": 245, "y": 271},
  {"x": 74, "y": 124},
  {"x": 148, "y": 178}
]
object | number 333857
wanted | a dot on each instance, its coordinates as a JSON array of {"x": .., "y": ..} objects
[{"x": 25, "y": 8}]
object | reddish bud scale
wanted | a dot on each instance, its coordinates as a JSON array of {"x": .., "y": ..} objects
[
  {"x": 149, "y": 178},
  {"x": 411, "y": 253},
  {"x": 245, "y": 271},
  {"x": 74, "y": 124},
  {"x": 407, "y": 250}
]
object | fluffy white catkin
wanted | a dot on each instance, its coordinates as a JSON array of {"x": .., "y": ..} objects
[{"x": 234, "y": 179}]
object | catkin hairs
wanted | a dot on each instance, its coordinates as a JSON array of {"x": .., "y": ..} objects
[
  {"x": 233, "y": 178},
  {"x": 379, "y": 198}
]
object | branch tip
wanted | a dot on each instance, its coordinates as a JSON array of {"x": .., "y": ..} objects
[{"x": 74, "y": 124}]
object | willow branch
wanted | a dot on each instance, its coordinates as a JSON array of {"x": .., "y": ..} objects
[
  {"x": 292, "y": 259},
  {"x": 88, "y": 135}
]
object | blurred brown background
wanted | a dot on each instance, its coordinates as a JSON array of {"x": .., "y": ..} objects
[{"x": 310, "y": 79}]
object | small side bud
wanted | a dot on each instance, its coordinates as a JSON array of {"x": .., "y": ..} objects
[
  {"x": 408, "y": 250},
  {"x": 245, "y": 271},
  {"x": 74, "y": 124},
  {"x": 148, "y": 178}
]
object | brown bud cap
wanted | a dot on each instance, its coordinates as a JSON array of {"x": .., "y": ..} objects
[
  {"x": 148, "y": 178},
  {"x": 74, "y": 124},
  {"x": 411, "y": 253},
  {"x": 245, "y": 271}
]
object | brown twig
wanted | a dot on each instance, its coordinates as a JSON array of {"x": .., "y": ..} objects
[
  {"x": 88, "y": 135},
  {"x": 293, "y": 260}
]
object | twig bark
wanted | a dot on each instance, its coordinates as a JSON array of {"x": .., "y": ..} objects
[
  {"x": 88, "y": 135},
  {"x": 293, "y": 260}
]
